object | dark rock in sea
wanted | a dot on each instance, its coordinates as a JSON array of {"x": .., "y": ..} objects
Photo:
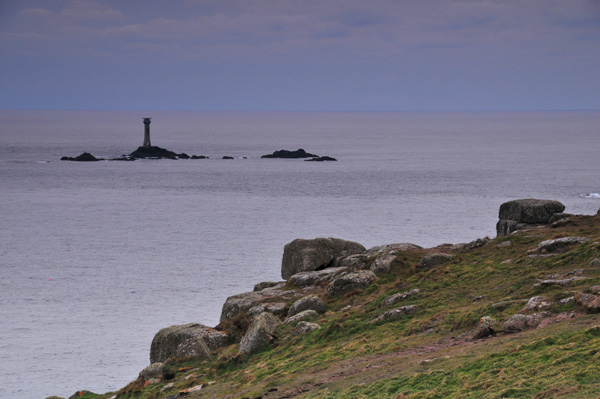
[
  {"x": 319, "y": 253},
  {"x": 198, "y": 157},
  {"x": 525, "y": 213},
  {"x": 299, "y": 153},
  {"x": 153, "y": 152},
  {"x": 227, "y": 157},
  {"x": 183, "y": 155},
  {"x": 320, "y": 159},
  {"x": 85, "y": 157}
]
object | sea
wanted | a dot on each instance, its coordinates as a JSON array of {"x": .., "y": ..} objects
[{"x": 95, "y": 258}]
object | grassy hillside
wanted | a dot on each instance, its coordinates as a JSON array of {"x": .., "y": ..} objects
[{"x": 431, "y": 353}]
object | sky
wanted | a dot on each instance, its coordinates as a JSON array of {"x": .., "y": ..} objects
[{"x": 300, "y": 55}]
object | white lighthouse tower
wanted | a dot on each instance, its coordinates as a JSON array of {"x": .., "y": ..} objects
[{"x": 147, "y": 132}]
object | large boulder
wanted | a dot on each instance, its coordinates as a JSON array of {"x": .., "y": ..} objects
[
  {"x": 525, "y": 213},
  {"x": 351, "y": 281},
  {"x": 261, "y": 331},
  {"x": 310, "y": 302},
  {"x": 185, "y": 340},
  {"x": 307, "y": 255},
  {"x": 242, "y": 303}
]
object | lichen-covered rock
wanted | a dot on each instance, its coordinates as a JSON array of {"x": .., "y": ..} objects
[
  {"x": 356, "y": 261},
  {"x": 433, "y": 260},
  {"x": 480, "y": 242},
  {"x": 393, "y": 299},
  {"x": 562, "y": 282},
  {"x": 521, "y": 322},
  {"x": 308, "y": 255},
  {"x": 351, "y": 281},
  {"x": 530, "y": 210},
  {"x": 155, "y": 370},
  {"x": 269, "y": 284},
  {"x": 402, "y": 246},
  {"x": 398, "y": 313},
  {"x": 486, "y": 327},
  {"x": 242, "y": 303},
  {"x": 261, "y": 331},
  {"x": 185, "y": 340},
  {"x": 589, "y": 302},
  {"x": 305, "y": 327},
  {"x": 383, "y": 263},
  {"x": 557, "y": 245},
  {"x": 304, "y": 315},
  {"x": 536, "y": 303},
  {"x": 275, "y": 308},
  {"x": 316, "y": 278},
  {"x": 525, "y": 213},
  {"x": 310, "y": 302}
]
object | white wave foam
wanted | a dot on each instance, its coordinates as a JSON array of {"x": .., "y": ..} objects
[{"x": 590, "y": 195}]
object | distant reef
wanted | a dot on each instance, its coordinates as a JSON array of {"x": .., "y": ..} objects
[
  {"x": 154, "y": 152},
  {"x": 299, "y": 153}
]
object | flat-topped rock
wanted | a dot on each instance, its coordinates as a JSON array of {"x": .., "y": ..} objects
[
  {"x": 316, "y": 278},
  {"x": 242, "y": 303},
  {"x": 525, "y": 213}
]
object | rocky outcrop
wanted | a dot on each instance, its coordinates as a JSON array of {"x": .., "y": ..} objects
[
  {"x": 153, "y": 152},
  {"x": 84, "y": 157},
  {"x": 185, "y": 340},
  {"x": 310, "y": 302},
  {"x": 433, "y": 260},
  {"x": 525, "y": 213},
  {"x": 308, "y": 255},
  {"x": 299, "y": 153},
  {"x": 392, "y": 300},
  {"x": 242, "y": 303},
  {"x": 261, "y": 332},
  {"x": 351, "y": 281}
]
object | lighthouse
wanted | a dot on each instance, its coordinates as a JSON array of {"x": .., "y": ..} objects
[{"x": 147, "y": 133}]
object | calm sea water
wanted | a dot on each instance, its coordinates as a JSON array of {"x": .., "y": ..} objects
[{"x": 97, "y": 257}]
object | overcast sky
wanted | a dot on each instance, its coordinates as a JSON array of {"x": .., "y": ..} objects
[{"x": 300, "y": 54}]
